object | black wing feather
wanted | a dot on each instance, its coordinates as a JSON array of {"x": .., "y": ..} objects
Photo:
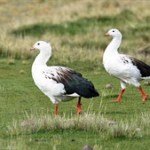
[
  {"x": 143, "y": 68},
  {"x": 75, "y": 83}
]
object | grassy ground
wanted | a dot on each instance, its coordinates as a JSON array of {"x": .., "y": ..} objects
[
  {"x": 76, "y": 31},
  {"x": 19, "y": 96}
]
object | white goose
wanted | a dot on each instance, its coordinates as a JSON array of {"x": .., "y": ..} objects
[
  {"x": 126, "y": 68},
  {"x": 59, "y": 83}
]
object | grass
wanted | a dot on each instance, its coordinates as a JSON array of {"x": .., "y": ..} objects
[
  {"x": 86, "y": 122},
  {"x": 76, "y": 31},
  {"x": 80, "y": 26},
  {"x": 25, "y": 102},
  {"x": 68, "y": 30}
]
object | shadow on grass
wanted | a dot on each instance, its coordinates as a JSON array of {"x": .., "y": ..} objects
[
  {"x": 111, "y": 96},
  {"x": 79, "y": 26}
]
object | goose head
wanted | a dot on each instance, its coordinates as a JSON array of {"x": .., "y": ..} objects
[
  {"x": 114, "y": 33},
  {"x": 42, "y": 46}
]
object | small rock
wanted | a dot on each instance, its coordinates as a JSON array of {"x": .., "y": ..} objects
[
  {"x": 22, "y": 71},
  {"x": 87, "y": 147},
  {"x": 109, "y": 86}
]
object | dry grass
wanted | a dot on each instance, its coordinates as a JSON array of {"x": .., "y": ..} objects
[
  {"x": 86, "y": 46},
  {"x": 137, "y": 127}
]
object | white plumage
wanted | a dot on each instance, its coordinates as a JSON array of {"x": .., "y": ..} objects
[
  {"x": 57, "y": 82},
  {"x": 126, "y": 68},
  {"x": 43, "y": 77}
]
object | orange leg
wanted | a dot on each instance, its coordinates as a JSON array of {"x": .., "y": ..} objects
[
  {"x": 119, "y": 98},
  {"x": 144, "y": 95},
  {"x": 56, "y": 110},
  {"x": 79, "y": 108}
]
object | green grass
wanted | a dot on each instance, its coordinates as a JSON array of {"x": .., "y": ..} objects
[
  {"x": 80, "y": 26},
  {"x": 76, "y": 31},
  {"x": 19, "y": 96}
]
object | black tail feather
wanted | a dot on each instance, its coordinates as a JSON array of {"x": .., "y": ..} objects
[
  {"x": 74, "y": 83},
  {"x": 81, "y": 86},
  {"x": 143, "y": 68}
]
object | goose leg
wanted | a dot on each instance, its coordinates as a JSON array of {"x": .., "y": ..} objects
[
  {"x": 119, "y": 98},
  {"x": 123, "y": 88},
  {"x": 79, "y": 108},
  {"x": 143, "y": 93},
  {"x": 56, "y": 110}
]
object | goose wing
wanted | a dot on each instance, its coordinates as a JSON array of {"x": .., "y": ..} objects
[{"x": 73, "y": 81}]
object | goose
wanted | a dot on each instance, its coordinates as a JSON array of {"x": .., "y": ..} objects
[
  {"x": 59, "y": 83},
  {"x": 127, "y": 69}
]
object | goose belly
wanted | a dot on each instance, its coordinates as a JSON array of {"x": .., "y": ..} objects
[
  {"x": 125, "y": 72},
  {"x": 112, "y": 67},
  {"x": 48, "y": 86}
]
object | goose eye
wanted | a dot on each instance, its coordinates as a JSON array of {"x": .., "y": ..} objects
[
  {"x": 113, "y": 31},
  {"x": 38, "y": 43}
]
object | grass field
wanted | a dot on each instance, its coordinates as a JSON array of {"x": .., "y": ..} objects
[{"x": 76, "y": 31}]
